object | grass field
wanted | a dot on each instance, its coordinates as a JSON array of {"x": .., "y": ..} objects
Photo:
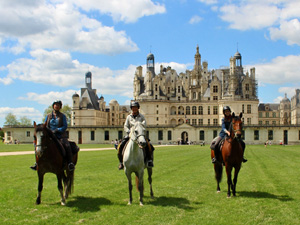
[{"x": 268, "y": 190}]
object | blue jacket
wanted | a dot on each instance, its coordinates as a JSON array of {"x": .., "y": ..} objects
[
  {"x": 59, "y": 123},
  {"x": 225, "y": 126}
]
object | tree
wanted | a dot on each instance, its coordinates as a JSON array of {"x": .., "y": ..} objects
[
  {"x": 66, "y": 109},
  {"x": 11, "y": 120},
  {"x": 24, "y": 120}
]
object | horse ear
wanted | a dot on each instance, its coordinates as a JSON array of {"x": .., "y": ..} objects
[
  {"x": 233, "y": 114},
  {"x": 241, "y": 115},
  {"x": 34, "y": 124}
]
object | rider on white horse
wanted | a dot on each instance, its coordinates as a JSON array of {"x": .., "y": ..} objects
[{"x": 131, "y": 119}]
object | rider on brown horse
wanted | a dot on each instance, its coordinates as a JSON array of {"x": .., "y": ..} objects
[
  {"x": 226, "y": 121},
  {"x": 131, "y": 119},
  {"x": 57, "y": 122}
]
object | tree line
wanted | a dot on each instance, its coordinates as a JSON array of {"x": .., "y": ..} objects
[{"x": 12, "y": 120}]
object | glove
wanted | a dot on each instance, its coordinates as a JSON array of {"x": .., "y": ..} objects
[{"x": 56, "y": 131}]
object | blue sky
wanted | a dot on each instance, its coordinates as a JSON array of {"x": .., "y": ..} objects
[{"x": 47, "y": 46}]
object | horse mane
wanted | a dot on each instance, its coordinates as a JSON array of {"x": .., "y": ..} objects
[{"x": 41, "y": 127}]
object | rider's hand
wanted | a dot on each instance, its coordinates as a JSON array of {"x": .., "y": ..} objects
[{"x": 56, "y": 131}]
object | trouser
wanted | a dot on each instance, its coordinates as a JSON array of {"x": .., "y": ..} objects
[{"x": 67, "y": 147}]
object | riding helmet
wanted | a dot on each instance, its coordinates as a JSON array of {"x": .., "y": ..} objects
[
  {"x": 226, "y": 108},
  {"x": 134, "y": 104},
  {"x": 57, "y": 102}
]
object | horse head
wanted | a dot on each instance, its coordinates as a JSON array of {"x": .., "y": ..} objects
[
  {"x": 237, "y": 125},
  {"x": 137, "y": 134},
  {"x": 42, "y": 135}
]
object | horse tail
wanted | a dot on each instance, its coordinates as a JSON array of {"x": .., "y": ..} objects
[
  {"x": 137, "y": 184},
  {"x": 70, "y": 182}
]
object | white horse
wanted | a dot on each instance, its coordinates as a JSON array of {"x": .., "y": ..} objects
[{"x": 133, "y": 160}]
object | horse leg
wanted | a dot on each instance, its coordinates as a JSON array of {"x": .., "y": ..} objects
[
  {"x": 140, "y": 177},
  {"x": 236, "y": 172},
  {"x": 150, "y": 181},
  {"x": 229, "y": 180},
  {"x": 129, "y": 187},
  {"x": 40, "y": 188},
  {"x": 60, "y": 189}
]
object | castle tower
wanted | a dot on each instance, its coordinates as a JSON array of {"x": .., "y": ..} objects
[
  {"x": 88, "y": 80},
  {"x": 150, "y": 64}
]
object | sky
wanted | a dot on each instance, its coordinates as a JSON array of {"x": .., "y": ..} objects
[{"x": 47, "y": 46}]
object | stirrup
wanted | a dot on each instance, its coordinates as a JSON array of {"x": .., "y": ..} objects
[
  {"x": 150, "y": 163},
  {"x": 71, "y": 166},
  {"x": 34, "y": 167},
  {"x": 213, "y": 160}
]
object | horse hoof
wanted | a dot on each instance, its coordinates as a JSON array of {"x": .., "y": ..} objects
[
  {"x": 141, "y": 204},
  {"x": 63, "y": 203},
  {"x": 129, "y": 203},
  {"x": 218, "y": 191}
]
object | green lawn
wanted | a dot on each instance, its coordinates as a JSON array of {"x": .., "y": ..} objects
[
  {"x": 29, "y": 147},
  {"x": 268, "y": 190}
]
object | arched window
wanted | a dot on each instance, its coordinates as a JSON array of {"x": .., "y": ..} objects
[
  {"x": 200, "y": 110},
  {"x": 194, "y": 110}
]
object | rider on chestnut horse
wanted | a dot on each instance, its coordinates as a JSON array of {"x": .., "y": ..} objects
[{"x": 215, "y": 144}]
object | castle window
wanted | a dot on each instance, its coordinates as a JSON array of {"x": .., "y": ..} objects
[
  {"x": 274, "y": 114},
  {"x": 270, "y": 135},
  {"x": 156, "y": 97},
  {"x": 194, "y": 95},
  {"x": 215, "y": 89},
  {"x": 215, "y": 110},
  {"x": 215, "y": 98},
  {"x": 267, "y": 114},
  {"x": 201, "y": 135},
  {"x": 249, "y": 121},
  {"x": 194, "y": 121},
  {"x": 155, "y": 87},
  {"x": 178, "y": 89},
  {"x": 215, "y": 121},
  {"x": 247, "y": 96},
  {"x": 200, "y": 110},
  {"x": 248, "y": 108},
  {"x": 27, "y": 133},
  {"x": 208, "y": 110},
  {"x": 92, "y": 135},
  {"x": 187, "y": 110},
  {"x": 194, "y": 110},
  {"x": 106, "y": 135},
  {"x": 169, "y": 90},
  {"x": 256, "y": 135},
  {"x": 247, "y": 87},
  {"x": 160, "y": 135},
  {"x": 200, "y": 122},
  {"x": 169, "y": 135}
]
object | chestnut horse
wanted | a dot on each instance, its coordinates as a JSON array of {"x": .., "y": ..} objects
[
  {"x": 231, "y": 155},
  {"x": 49, "y": 158},
  {"x": 133, "y": 160}
]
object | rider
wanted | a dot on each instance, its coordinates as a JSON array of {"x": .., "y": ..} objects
[
  {"x": 224, "y": 131},
  {"x": 57, "y": 122},
  {"x": 131, "y": 119}
]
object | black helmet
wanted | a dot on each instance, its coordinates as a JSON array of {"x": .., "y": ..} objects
[
  {"x": 226, "y": 108},
  {"x": 134, "y": 104},
  {"x": 57, "y": 102}
]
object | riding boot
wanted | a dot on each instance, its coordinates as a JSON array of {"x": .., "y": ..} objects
[
  {"x": 120, "y": 152},
  {"x": 214, "y": 159},
  {"x": 243, "y": 147},
  {"x": 34, "y": 166},
  {"x": 67, "y": 147}
]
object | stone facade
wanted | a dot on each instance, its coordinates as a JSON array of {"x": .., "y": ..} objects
[{"x": 185, "y": 107}]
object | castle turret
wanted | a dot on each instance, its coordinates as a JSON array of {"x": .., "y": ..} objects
[{"x": 88, "y": 80}]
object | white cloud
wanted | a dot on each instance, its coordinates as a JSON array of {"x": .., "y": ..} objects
[
  {"x": 58, "y": 26},
  {"x": 280, "y": 70},
  {"x": 128, "y": 11},
  {"x": 288, "y": 31},
  {"x": 255, "y": 15},
  {"x": 195, "y": 19},
  {"x": 21, "y": 111},
  {"x": 57, "y": 68},
  {"x": 48, "y": 98}
]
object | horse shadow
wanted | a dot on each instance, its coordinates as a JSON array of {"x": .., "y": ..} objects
[
  {"x": 262, "y": 194},
  {"x": 181, "y": 203},
  {"x": 87, "y": 204}
]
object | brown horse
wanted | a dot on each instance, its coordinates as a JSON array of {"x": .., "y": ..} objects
[
  {"x": 49, "y": 158},
  {"x": 231, "y": 155}
]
